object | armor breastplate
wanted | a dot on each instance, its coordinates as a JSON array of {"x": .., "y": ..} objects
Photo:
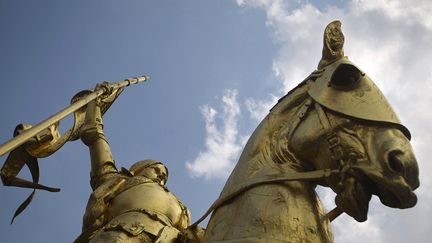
[{"x": 150, "y": 197}]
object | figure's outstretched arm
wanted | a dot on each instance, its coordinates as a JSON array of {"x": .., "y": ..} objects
[{"x": 92, "y": 135}]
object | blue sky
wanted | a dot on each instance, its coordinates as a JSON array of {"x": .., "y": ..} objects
[{"x": 216, "y": 68}]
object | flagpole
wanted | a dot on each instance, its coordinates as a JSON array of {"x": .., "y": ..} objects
[{"x": 33, "y": 131}]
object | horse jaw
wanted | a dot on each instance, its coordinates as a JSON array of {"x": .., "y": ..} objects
[
  {"x": 391, "y": 174},
  {"x": 397, "y": 175},
  {"x": 354, "y": 199}
]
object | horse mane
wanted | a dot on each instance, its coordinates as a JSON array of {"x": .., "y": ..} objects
[
  {"x": 293, "y": 97},
  {"x": 280, "y": 116}
]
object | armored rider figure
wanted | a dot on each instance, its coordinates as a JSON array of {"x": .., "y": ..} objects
[{"x": 127, "y": 205}]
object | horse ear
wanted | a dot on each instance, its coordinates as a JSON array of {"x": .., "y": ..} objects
[{"x": 333, "y": 44}]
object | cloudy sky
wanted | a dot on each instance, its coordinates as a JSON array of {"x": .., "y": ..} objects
[{"x": 216, "y": 68}]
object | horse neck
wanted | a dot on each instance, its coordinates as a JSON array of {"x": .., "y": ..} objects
[
  {"x": 295, "y": 206},
  {"x": 305, "y": 207},
  {"x": 282, "y": 122},
  {"x": 267, "y": 151}
]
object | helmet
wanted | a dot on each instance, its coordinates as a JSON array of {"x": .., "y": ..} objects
[
  {"x": 343, "y": 88},
  {"x": 142, "y": 164}
]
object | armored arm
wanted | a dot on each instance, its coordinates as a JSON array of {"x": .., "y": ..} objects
[{"x": 92, "y": 135}]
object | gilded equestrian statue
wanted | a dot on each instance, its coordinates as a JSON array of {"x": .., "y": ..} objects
[{"x": 335, "y": 129}]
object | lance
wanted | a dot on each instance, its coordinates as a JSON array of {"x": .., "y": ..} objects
[
  {"x": 33, "y": 131},
  {"x": 43, "y": 139}
]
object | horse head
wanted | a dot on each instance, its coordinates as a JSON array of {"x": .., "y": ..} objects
[
  {"x": 351, "y": 127},
  {"x": 335, "y": 129}
]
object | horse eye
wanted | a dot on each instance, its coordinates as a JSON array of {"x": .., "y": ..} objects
[{"x": 346, "y": 77}]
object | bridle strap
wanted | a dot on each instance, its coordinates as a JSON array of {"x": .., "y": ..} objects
[
  {"x": 335, "y": 149},
  {"x": 300, "y": 115},
  {"x": 332, "y": 138},
  {"x": 268, "y": 179}
]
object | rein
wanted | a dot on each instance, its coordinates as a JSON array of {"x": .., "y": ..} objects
[
  {"x": 337, "y": 153},
  {"x": 268, "y": 179},
  {"x": 335, "y": 148}
]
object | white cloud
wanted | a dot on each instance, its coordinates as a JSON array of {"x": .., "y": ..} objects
[
  {"x": 411, "y": 11},
  {"x": 391, "y": 41},
  {"x": 223, "y": 143},
  {"x": 258, "y": 109}
]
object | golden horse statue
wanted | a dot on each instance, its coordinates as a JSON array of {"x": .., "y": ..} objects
[{"x": 335, "y": 129}]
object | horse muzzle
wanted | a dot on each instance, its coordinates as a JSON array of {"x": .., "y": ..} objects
[{"x": 394, "y": 183}]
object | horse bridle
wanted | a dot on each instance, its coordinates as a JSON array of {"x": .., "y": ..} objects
[{"x": 335, "y": 148}]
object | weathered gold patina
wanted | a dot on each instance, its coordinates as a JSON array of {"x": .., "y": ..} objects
[
  {"x": 127, "y": 205},
  {"x": 44, "y": 139},
  {"x": 335, "y": 129}
]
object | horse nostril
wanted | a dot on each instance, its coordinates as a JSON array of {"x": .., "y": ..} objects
[{"x": 394, "y": 161}]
